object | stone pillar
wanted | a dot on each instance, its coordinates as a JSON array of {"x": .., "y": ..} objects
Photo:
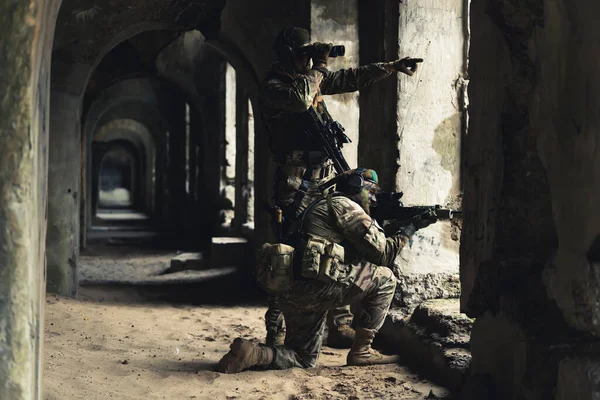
[
  {"x": 26, "y": 43},
  {"x": 177, "y": 164},
  {"x": 228, "y": 147},
  {"x": 251, "y": 163},
  {"x": 378, "y": 147},
  {"x": 430, "y": 126},
  {"x": 241, "y": 157},
  {"x": 64, "y": 181},
  {"x": 336, "y": 21}
]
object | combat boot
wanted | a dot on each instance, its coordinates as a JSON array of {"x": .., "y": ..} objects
[
  {"x": 243, "y": 355},
  {"x": 340, "y": 337},
  {"x": 361, "y": 352},
  {"x": 275, "y": 338}
]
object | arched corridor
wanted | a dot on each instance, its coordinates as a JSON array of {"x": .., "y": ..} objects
[{"x": 135, "y": 166}]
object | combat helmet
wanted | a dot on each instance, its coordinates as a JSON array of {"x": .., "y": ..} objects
[{"x": 291, "y": 41}]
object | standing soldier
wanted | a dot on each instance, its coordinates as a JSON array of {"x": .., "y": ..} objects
[
  {"x": 290, "y": 89},
  {"x": 343, "y": 256}
]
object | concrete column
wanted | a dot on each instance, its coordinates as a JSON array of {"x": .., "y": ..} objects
[
  {"x": 241, "y": 157},
  {"x": 99, "y": 150},
  {"x": 64, "y": 181},
  {"x": 251, "y": 163},
  {"x": 196, "y": 159},
  {"x": 228, "y": 160},
  {"x": 430, "y": 125},
  {"x": 336, "y": 21},
  {"x": 27, "y": 29},
  {"x": 378, "y": 141},
  {"x": 177, "y": 162}
]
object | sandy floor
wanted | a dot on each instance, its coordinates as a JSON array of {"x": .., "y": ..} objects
[{"x": 121, "y": 343}]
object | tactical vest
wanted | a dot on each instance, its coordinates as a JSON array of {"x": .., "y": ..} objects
[{"x": 301, "y": 256}]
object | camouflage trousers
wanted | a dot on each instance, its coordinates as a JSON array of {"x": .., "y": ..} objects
[
  {"x": 275, "y": 321},
  {"x": 305, "y": 307}
]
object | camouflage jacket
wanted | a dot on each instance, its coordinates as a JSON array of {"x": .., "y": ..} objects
[
  {"x": 285, "y": 93},
  {"x": 346, "y": 223}
]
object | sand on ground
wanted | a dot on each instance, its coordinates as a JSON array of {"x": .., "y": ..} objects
[{"x": 120, "y": 342}]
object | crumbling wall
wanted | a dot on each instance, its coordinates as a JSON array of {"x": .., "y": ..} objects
[{"x": 533, "y": 70}]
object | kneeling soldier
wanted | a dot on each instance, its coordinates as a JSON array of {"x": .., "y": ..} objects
[{"x": 336, "y": 255}]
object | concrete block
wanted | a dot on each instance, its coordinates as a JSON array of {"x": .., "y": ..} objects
[
  {"x": 228, "y": 251},
  {"x": 189, "y": 261},
  {"x": 415, "y": 288},
  {"x": 434, "y": 341}
]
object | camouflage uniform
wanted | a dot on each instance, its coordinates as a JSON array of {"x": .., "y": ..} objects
[
  {"x": 306, "y": 304},
  {"x": 283, "y": 94},
  {"x": 286, "y": 93}
]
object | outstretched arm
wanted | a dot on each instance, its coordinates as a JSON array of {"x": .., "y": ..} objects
[{"x": 353, "y": 79}]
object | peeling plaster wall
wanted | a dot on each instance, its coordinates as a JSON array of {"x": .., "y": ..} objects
[
  {"x": 337, "y": 22},
  {"x": 430, "y": 125}
]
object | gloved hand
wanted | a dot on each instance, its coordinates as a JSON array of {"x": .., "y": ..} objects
[
  {"x": 320, "y": 54},
  {"x": 407, "y": 230},
  {"x": 407, "y": 65},
  {"x": 425, "y": 221}
]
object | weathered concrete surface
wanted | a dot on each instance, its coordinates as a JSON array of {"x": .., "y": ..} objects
[
  {"x": 414, "y": 289},
  {"x": 434, "y": 341},
  {"x": 431, "y": 107},
  {"x": 25, "y": 46},
  {"x": 64, "y": 181},
  {"x": 96, "y": 26}
]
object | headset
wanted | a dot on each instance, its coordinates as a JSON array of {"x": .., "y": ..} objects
[
  {"x": 286, "y": 43},
  {"x": 352, "y": 184},
  {"x": 282, "y": 45}
]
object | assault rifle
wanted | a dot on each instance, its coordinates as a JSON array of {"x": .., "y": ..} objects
[
  {"x": 327, "y": 135},
  {"x": 390, "y": 208}
]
